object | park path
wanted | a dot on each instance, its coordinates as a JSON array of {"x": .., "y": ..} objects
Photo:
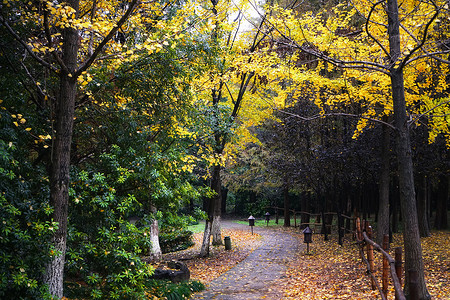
[{"x": 255, "y": 277}]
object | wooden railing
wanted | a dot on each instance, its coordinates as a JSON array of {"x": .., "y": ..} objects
[
  {"x": 389, "y": 265},
  {"x": 319, "y": 219}
]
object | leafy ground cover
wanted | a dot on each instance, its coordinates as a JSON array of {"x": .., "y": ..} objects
[
  {"x": 220, "y": 260},
  {"x": 329, "y": 271}
]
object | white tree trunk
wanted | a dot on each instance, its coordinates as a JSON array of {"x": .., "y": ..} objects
[
  {"x": 155, "y": 249},
  {"x": 204, "y": 251},
  {"x": 216, "y": 231}
]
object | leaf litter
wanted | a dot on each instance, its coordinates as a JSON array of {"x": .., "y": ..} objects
[{"x": 329, "y": 271}]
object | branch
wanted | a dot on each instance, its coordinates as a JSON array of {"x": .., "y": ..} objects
[
  {"x": 362, "y": 15},
  {"x": 431, "y": 55},
  {"x": 108, "y": 37},
  {"x": 430, "y": 110},
  {"x": 424, "y": 37},
  {"x": 243, "y": 88},
  {"x": 367, "y": 28},
  {"x": 27, "y": 48},
  {"x": 319, "y": 116},
  {"x": 357, "y": 64}
]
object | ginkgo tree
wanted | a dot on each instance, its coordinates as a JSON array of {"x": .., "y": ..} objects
[
  {"x": 378, "y": 53},
  {"x": 226, "y": 99}
]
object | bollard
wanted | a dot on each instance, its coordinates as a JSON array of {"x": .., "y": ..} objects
[{"x": 227, "y": 241}]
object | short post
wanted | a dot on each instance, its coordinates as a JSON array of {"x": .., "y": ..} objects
[
  {"x": 251, "y": 222},
  {"x": 227, "y": 241},
  {"x": 385, "y": 278},
  {"x": 398, "y": 266},
  {"x": 307, "y": 232}
]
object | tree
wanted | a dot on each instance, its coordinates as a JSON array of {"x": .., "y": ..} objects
[
  {"x": 233, "y": 69},
  {"x": 66, "y": 39}
]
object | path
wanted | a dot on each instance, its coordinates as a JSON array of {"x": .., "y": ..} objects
[{"x": 255, "y": 276}]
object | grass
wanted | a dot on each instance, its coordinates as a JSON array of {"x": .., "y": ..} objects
[
  {"x": 200, "y": 227},
  {"x": 262, "y": 223}
]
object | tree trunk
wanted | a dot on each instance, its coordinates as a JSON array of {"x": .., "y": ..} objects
[
  {"x": 383, "y": 206},
  {"x": 60, "y": 159},
  {"x": 216, "y": 186},
  {"x": 422, "y": 200},
  {"x": 212, "y": 226},
  {"x": 305, "y": 207},
  {"x": 440, "y": 221},
  {"x": 155, "y": 249},
  {"x": 204, "y": 251},
  {"x": 411, "y": 240},
  {"x": 287, "y": 215},
  {"x": 394, "y": 205},
  {"x": 224, "y": 201}
]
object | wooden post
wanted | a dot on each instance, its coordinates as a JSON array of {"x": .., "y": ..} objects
[
  {"x": 370, "y": 256},
  {"x": 358, "y": 229},
  {"x": 276, "y": 215},
  {"x": 398, "y": 265},
  {"x": 385, "y": 278},
  {"x": 341, "y": 232},
  {"x": 295, "y": 219},
  {"x": 413, "y": 279},
  {"x": 359, "y": 237}
]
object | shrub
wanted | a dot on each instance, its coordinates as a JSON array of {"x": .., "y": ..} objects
[
  {"x": 175, "y": 291},
  {"x": 175, "y": 240}
]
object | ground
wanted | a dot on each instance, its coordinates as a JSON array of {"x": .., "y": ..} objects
[{"x": 255, "y": 266}]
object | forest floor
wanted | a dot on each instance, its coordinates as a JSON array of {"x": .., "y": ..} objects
[{"x": 329, "y": 271}]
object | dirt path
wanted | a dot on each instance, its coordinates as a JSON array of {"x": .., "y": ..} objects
[{"x": 256, "y": 276}]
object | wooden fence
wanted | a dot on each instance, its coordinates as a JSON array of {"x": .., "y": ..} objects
[
  {"x": 345, "y": 224},
  {"x": 389, "y": 265}
]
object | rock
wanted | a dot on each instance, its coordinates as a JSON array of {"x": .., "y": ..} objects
[{"x": 178, "y": 272}]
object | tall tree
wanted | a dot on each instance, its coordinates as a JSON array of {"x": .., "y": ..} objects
[
  {"x": 228, "y": 79},
  {"x": 66, "y": 38}
]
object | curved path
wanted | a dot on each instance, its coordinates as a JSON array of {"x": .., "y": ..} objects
[{"x": 255, "y": 276}]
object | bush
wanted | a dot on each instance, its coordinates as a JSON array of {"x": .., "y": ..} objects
[
  {"x": 175, "y": 291},
  {"x": 175, "y": 240},
  {"x": 104, "y": 248},
  {"x": 25, "y": 226}
]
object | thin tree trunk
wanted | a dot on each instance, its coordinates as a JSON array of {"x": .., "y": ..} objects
[
  {"x": 440, "y": 221},
  {"x": 411, "y": 240},
  {"x": 305, "y": 207},
  {"x": 287, "y": 215},
  {"x": 422, "y": 200},
  {"x": 383, "y": 207},
  {"x": 155, "y": 248},
  {"x": 216, "y": 185},
  {"x": 60, "y": 160},
  {"x": 204, "y": 251}
]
